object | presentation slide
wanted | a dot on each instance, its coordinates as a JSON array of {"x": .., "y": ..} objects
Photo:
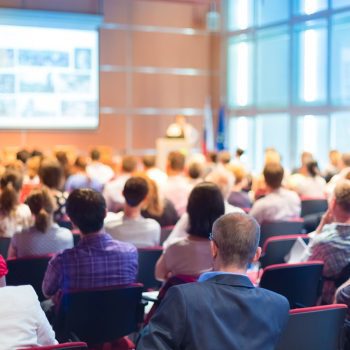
[{"x": 48, "y": 78}]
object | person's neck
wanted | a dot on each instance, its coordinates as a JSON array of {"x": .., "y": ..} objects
[
  {"x": 231, "y": 269},
  {"x": 172, "y": 172},
  {"x": 132, "y": 212},
  {"x": 342, "y": 218},
  {"x": 270, "y": 189}
]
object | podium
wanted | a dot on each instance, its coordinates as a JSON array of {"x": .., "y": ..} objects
[{"x": 166, "y": 145}]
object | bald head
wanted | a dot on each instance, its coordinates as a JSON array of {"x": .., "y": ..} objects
[{"x": 236, "y": 237}]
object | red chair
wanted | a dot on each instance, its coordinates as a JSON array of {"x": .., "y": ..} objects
[
  {"x": 66, "y": 346},
  {"x": 300, "y": 283},
  {"x": 99, "y": 316},
  {"x": 318, "y": 327},
  {"x": 164, "y": 233},
  {"x": 148, "y": 258},
  {"x": 29, "y": 270},
  {"x": 313, "y": 206},
  {"x": 279, "y": 228},
  {"x": 276, "y": 248}
]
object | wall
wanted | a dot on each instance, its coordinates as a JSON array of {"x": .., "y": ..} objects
[{"x": 156, "y": 61}]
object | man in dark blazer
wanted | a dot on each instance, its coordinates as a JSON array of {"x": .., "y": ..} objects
[{"x": 223, "y": 310}]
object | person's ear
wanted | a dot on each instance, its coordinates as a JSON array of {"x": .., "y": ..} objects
[
  {"x": 257, "y": 255},
  {"x": 213, "y": 249}
]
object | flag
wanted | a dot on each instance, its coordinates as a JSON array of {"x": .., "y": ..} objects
[
  {"x": 208, "y": 132},
  {"x": 220, "y": 133}
]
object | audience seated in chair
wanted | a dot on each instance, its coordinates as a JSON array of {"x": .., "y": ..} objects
[
  {"x": 23, "y": 323},
  {"x": 223, "y": 310},
  {"x": 331, "y": 241},
  {"x": 45, "y": 236},
  {"x": 97, "y": 260},
  {"x": 98, "y": 171},
  {"x": 278, "y": 203},
  {"x": 129, "y": 225},
  {"x": 190, "y": 254}
]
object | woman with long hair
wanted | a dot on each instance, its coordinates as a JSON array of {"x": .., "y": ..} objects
[
  {"x": 14, "y": 216},
  {"x": 190, "y": 255},
  {"x": 45, "y": 236}
]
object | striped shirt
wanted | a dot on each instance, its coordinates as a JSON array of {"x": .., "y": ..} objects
[{"x": 97, "y": 261}]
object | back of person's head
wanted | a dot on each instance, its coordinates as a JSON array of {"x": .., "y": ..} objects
[
  {"x": 129, "y": 164},
  {"x": 224, "y": 157},
  {"x": 81, "y": 163},
  {"x": 87, "y": 210},
  {"x": 23, "y": 155},
  {"x": 95, "y": 154},
  {"x": 224, "y": 179},
  {"x": 346, "y": 159},
  {"x": 42, "y": 206},
  {"x": 51, "y": 173},
  {"x": 238, "y": 172},
  {"x": 239, "y": 152},
  {"x": 306, "y": 157},
  {"x": 195, "y": 170},
  {"x": 62, "y": 157},
  {"x": 237, "y": 238},
  {"x": 334, "y": 157},
  {"x": 273, "y": 174},
  {"x": 11, "y": 184},
  {"x": 37, "y": 153},
  {"x": 33, "y": 165},
  {"x": 271, "y": 156},
  {"x": 205, "y": 205},
  {"x": 149, "y": 161},
  {"x": 176, "y": 161},
  {"x": 135, "y": 191},
  {"x": 342, "y": 195},
  {"x": 212, "y": 156},
  {"x": 312, "y": 168}
]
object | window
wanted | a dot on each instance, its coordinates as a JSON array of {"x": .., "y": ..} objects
[
  {"x": 270, "y": 11},
  {"x": 308, "y": 7},
  {"x": 340, "y": 131},
  {"x": 340, "y": 3},
  {"x": 239, "y": 14}
]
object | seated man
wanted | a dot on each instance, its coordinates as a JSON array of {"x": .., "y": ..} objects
[
  {"x": 331, "y": 240},
  {"x": 129, "y": 225},
  {"x": 223, "y": 310},
  {"x": 279, "y": 203},
  {"x": 98, "y": 260},
  {"x": 23, "y": 323}
]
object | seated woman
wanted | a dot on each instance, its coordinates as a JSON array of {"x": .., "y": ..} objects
[
  {"x": 238, "y": 197},
  {"x": 45, "y": 236},
  {"x": 23, "y": 323},
  {"x": 14, "y": 216},
  {"x": 190, "y": 255}
]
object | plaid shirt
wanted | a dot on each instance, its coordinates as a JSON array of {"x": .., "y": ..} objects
[
  {"x": 332, "y": 246},
  {"x": 97, "y": 261}
]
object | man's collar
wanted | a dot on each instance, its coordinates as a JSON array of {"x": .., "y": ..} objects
[{"x": 229, "y": 278}]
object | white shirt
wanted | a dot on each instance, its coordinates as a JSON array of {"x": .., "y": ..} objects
[
  {"x": 312, "y": 186},
  {"x": 140, "y": 231},
  {"x": 177, "y": 190},
  {"x": 20, "y": 219},
  {"x": 281, "y": 204},
  {"x": 22, "y": 321},
  {"x": 159, "y": 177},
  {"x": 113, "y": 192},
  {"x": 100, "y": 172}
]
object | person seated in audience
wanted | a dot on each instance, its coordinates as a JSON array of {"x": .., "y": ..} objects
[
  {"x": 195, "y": 172},
  {"x": 14, "y": 216},
  {"x": 23, "y": 155},
  {"x": 154, "y": 173},
  {"x": 98, "y": 170},
  {"x": 237, "y": 196},
  {"x": 98, "y": 260},
  {"x": 312, "y": 184},
  {"x": 211, "y": 162},
  {"x": 23, "y": 323},
  {"x": 332, "y": 168},
  {"x": 278, "y": 203},
  {"x": 224, "y": 158},
  {"x": 177, "y": 188},
  {"x": 158, "y": 208},
  {"x": 51, "y": 175},
  {"x": 305, "y": 157},
  {"x": 190, "y": 253},
  {"x": 223, "y": 310},
  {"x": 31, "y": 176},
  {"x": 113, "y": 191},
  {"x": 45, "y": 236},
  {"x": 80, "y": 179},
  {"x": 342, "y": 296},
  {"x": 62, "y": 158},
  {"x": 129, "y": 225},
  {"x": 331, "y": 240},
  {"x": 344, "y": 167}
]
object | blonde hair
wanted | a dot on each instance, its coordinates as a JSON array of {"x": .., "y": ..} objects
[{"x": 42, "y": 206}]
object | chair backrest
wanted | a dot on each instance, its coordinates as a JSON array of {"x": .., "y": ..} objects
[
  {"x": 318, "y": 327},
  {"x": 148, "y": 258},
  {"x": 100, "y": 315},
  {"x": 300, "y": 283},
  {"x": 277, "y": 247},
  {"x": 66, "y": 346},
  {"x": 279, "y": 228},
  {"x": 313, "y": 206},
  {"x": 4, "y": 246},
  {"x": 164, "y": 233},
  {"x": 29, "y": 270}
]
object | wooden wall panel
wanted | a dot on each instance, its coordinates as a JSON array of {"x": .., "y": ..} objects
[
  {"x": 112, "y": 89},
  {"x": 113, "y": 46}
]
